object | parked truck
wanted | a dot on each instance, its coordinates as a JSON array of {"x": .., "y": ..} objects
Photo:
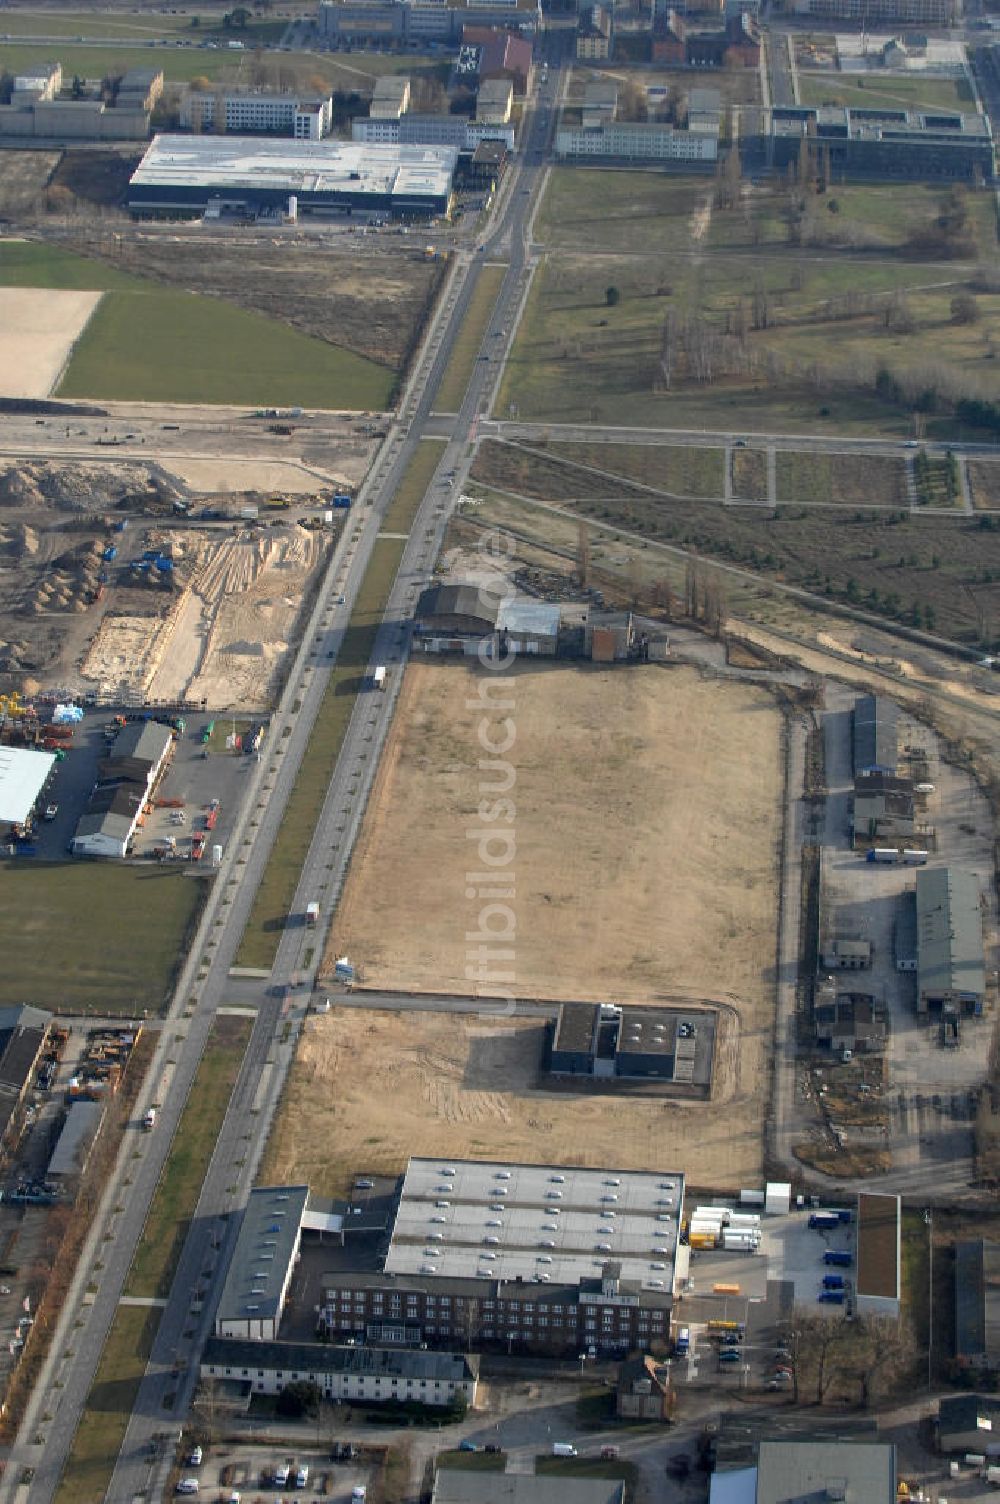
[
  {"x": 564, "y": 1449},
  {"x": 312, "y": 914},
  {"x": 887, "y": 856},
  {"x": 833, "y": 1282},
  {"x": 838, "y": 1256},
  {"x": 823, "y": 1221},
  {"x": 378, "y": 677}
]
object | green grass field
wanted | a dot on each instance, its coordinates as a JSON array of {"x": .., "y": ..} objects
[
  {"x": 277, "y": 888},
  {"x": 587, "y": 354},
  {"x": 66, "y": 947},
  {"x": 465, "y": 351},
  {"x": 103, "y": 1423},
  {"x": 182, "y": 64},
  {"x": 890, "y": 92},
  {"x": 413, "y": 487},
  {"x": 177, "y": 1194},
  {"x": 149, "y": 343}
]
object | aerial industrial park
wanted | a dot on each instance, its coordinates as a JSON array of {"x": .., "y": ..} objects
[{"x": 499, "y": 788}]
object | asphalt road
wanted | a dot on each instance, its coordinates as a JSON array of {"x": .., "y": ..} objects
[{"x": 45, "y": 1437}]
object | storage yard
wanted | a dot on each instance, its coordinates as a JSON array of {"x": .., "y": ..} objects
[{"x": 470, "y": 1085}]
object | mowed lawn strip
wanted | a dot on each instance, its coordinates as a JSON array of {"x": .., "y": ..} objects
[
  {"x": 180, "y": 1183},
  {"x": 206, "y": 350},
  {"x": 413, "y": 486},
  {"x": 102, "y": 1427},
  {"x": 277, "y": 888},
  {"x": 70, "y": 913},
  {"x": 465, "y": 350}
]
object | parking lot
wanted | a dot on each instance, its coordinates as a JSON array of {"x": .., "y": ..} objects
[
  {"x": 762, "y": 1293},
  {"x": 251, "y": 1471},
  {"x": 198, "y": 774}
]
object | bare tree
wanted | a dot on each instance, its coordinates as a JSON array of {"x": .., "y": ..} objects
[{"x": 583, "y": 554}]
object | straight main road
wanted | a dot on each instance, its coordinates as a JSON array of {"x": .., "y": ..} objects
[{"x": 57, "y": 1403}]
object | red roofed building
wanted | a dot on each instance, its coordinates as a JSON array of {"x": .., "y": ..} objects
[{"x": 502, "y": 54}]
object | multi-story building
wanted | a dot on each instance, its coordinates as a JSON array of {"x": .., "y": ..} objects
[
  {"x": 375, "y": 1375},
  {"x": 912, "y": 145},
  {"x": 874, "y": 13},
  {"x": 390, "y": 99},
  {"x": 594, "y": 34},
  {"x": 533, "y": 1258},
  {"x": 431, "y": 130},
  {"x": 636, "y": 142},
  {"x": 244, "y": 113}
]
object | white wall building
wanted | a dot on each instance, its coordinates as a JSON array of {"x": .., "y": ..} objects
[
  {"x": 344, "y": 1373},
  {"x": 430, "y": 130},
  {"x": 626, "y": 141},
  {"x": 307, "y": 119}
]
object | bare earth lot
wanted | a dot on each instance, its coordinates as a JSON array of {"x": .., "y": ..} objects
[
  {"x": 646, "y": 828},
  {"x": 470, "y": 1085},
  {"x": 38, "y": 329}
]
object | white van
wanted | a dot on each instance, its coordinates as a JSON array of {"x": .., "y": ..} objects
[{"x": 564, "y": 1449}]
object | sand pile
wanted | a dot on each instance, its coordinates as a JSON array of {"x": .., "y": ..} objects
[{"x": 83, "y": 487}]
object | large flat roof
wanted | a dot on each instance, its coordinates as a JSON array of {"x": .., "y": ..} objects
[
  {"x": 255, "y": 163},
  {"x": 265, "y": 1247},
  {"x": 539, "y": 1223},
  {"x": 22, "y": 777},
  {"x": 862, "y": 1471}
]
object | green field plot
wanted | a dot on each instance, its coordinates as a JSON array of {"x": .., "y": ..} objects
[
  {"x": 154, "y": 344},
  {"x": 465, "y": 350},
  {"x": 890, "y": 92},
  {"x": 941, "y": 572},
  {"x": 984, "y": 483},
  {"x": 165, "y": 346},
  {"x": 936, "y": 480},
  {"x": 750, "y": 474},
  {"x": 61, "y": 930},
  {"x": 277, "y": 888},
  {"x": 413, "y": 487},
  {"x": 637, "y": 212},
  {"x": 800, "y": 342},
  {"x": 227, "y": 65},
  {"x": 856, "y": 480},
  {"x": 679, "y": 469},
  {"x": 533, "y": 472},
  {"x": 103, "y": 1423},
  {"x": 126, "y": 26},
  {"x": 180, "y": 1183}
]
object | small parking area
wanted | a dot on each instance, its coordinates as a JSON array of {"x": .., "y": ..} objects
[
  {"x": 251, "y": 1472},
  {"x": 762, "y": 1292}
]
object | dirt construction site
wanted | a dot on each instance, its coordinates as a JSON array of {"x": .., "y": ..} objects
[
  {"x": 119, "y": 579},
  {"x": 647, "y": 814}
]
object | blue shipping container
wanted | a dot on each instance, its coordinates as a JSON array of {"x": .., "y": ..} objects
[
  {"x": 341, "y": 501},
  {"x": 833, "y": 1282},
  {"x": 821, "y": 1220}
]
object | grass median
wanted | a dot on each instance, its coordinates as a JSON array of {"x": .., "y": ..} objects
[
  {"x": 413, "y": 486},
  {"x": 277, "y": 888},
  {"x": 71, "y": 913},
  {"x": 102, "y": 1427},
  {"x": 465, "y": 351},
  {"x": 180, "y": 1183}
]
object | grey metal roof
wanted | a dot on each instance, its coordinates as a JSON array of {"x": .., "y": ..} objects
[
  {"x": 528, "y": 618},
  {"x": 70, "y": 1153},
  {"x": 949, "y": 932},
  {"x": 322, "y": 1357},
  {"x": 146, "y": 741},
  {"x": 862, "y": 1472},
  {"x": 542, "y": 1223},
  {"x": 977, "y": 1300},
  {"x": 265, "y": 1247},
  {"x": 876, "y": 742},
  {"x": 455, "y": 1485}
]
